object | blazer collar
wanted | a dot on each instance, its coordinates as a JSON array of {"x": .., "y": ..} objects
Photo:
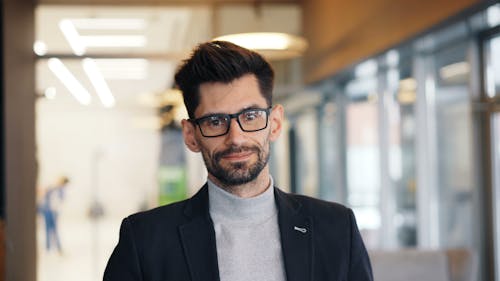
[
  {"x": 296, "y": 230},
  {"x": 198, "y": 239}
]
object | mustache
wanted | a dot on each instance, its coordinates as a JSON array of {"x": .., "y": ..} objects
[{"x": 235, "y": 149}]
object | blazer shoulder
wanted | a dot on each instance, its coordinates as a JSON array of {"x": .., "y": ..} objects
[
  {"x": 317, "y": 207},
  {"x": 175, "y": 213},
  {"x": 167, "y": 213},
  {"x": 308, "y": 201}
]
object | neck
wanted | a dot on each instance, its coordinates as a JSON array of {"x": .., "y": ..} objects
[{"x": 249, "y": 189}]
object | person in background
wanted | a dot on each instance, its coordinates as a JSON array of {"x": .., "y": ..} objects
[
  {"x": 51, "y": 198},
  {"x": 239, "y": 226}
]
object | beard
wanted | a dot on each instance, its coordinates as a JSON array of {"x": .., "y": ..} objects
[{"x": 236, "y": 173}]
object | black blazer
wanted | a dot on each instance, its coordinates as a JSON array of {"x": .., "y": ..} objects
[{"x": 177, "y": 242}]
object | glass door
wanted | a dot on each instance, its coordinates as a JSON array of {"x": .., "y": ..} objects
[
  {"x": 495, "y": 162},
  {"x": 491, "y": 100}
]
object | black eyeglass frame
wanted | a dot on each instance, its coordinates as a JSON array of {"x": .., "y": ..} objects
[{"x": 197, "y": 121}]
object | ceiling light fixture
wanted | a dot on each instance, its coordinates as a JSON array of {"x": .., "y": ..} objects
[
  {"x": 366, "y": 69},
  {"x": 50, "y": 93},
  {"x": 100, "y": 85},
  {"x": 117, "y": 41},
  {"x": 493, "y": 15},
  {"x": 69, "y": 81},
  {"x": 110, "y": 23},
  {"x": 273, "y": 45},
  {"x": 40, "y": 48},
  {"x": 123, "y": 69},
  {"x": 69, "y": 30},
  {"x": 80, "y": 43},
  {"x": 454, "y": 70}
]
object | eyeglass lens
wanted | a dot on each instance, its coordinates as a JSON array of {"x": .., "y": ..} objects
[{"x": 218, "y": 124}]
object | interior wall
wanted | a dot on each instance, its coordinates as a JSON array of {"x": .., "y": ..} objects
[
  {"x": 110, "y": 156},
  {"x": 341, "y": 33},
  {"x": 19, "y": 139},
  {"x": 2, "y": 156}
]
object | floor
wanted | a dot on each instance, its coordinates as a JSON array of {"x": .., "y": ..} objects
[{"x": 87, "y": 245}]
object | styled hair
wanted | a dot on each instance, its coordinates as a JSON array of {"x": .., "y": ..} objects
[{"x": 221, "y": 61}]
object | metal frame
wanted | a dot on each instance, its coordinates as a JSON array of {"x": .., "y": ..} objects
[
  {"x": 427, "y": 192},
  {"x": 485, "y": 108}
]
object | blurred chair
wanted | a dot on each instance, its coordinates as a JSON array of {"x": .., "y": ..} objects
[{"x": 424, "y": 265}]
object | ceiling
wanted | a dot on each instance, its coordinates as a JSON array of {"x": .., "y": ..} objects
[
  {"x": 165, "y": 33},
  {"x": 163, "y": 2}
]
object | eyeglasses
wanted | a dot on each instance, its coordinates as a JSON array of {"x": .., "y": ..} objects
[{"x": 250, "y": 120}]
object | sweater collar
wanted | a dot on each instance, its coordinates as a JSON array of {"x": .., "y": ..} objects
[{"x": 227, "y": 206}]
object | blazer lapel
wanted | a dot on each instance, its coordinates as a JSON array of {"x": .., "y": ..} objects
[
  {"x": 198, "y": 239},
  {"x": 296, "y": 232}
]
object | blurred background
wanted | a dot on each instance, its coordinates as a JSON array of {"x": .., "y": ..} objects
[{"x": 392, "y": 108}]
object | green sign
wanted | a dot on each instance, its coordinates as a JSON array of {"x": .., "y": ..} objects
[{"x": 172, "y": 181}]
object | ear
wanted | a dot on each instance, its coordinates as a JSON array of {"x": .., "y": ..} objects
[
  {"x": 189, "y": 134},
  {"x": 276, "y": 120}
]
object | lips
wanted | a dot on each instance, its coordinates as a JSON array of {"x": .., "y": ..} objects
[{"x": 236, "y": 154}]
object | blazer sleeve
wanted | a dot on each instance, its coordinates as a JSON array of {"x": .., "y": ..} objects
[
  {"x": 359, "y": 264},
  {"x": 123, "y": 265}
]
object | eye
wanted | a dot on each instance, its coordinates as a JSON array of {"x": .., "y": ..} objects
[
  {"x": 251, "y": 115},
  {"x": 214, "y": 121}
]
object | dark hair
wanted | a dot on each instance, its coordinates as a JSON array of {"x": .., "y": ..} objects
[{"x": 221, "y": 61}]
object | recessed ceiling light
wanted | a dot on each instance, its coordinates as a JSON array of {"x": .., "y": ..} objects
[
  {"x": 123, "y": 69},
  {"x": 69, "y": 30},
  {"x": 100, "y": 85},
  {"x": 69, "y": 81},
  {"x": 110, "y": 23},
  {"x": 274, "y": 44},
  {"x": 454, "y": 70},
  {"x": 50, "y": 93},
  {"x": 40, "y": 48},
  {"x": 116, "y": 41}
]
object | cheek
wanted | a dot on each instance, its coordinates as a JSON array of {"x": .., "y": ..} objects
[
  {"x": 208, "y": 147},
  {"x": 262, "y": 141}
]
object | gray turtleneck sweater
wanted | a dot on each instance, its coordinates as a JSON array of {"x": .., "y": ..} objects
[{"x": 247, "y": 235}]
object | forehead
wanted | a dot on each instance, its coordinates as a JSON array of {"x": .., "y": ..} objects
[{"x": 230, "y": 97}]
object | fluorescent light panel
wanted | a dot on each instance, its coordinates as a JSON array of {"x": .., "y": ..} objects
[
  {"x": 80, "y": 43},
  {"x": 493, "y": 15},
  {"x": 392, "y": 58},
  {"x": 453, "y": 70},
  {"x": 69, "y": 30},
  {"x": 100, "y": 85},
  {"x": 123, "y": 69},
  {"x": 114, "y": 40},
  {"x": 69, "y": 81},
  {"x": 366, "y": 68},
  {"x": 266, "y": 41},
  {"x": 110, "y": 23}
]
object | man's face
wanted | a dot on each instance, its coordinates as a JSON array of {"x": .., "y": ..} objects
[{"x": 237, "y": 157}]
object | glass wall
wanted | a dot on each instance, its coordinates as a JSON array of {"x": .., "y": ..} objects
[
  {"x": 362, "y": 153},
  {"x": 496, "y": 183},
  {"x": 306, "y": 169},
  {"x": 399, "y": 138},
  {"x": 491, "y": 97},
  {"x": 331, "y": 171},
  {"x": 453, "y": 138},
  {"x": 398, "y": 142}
]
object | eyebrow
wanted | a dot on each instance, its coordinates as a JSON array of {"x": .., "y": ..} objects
[{"x": 253, "y": 106}]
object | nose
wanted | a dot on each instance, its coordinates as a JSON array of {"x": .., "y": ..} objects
[{"x": 235, "y": 136}]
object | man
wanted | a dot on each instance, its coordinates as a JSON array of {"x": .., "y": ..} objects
[{"x": 238, "y": 226}]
